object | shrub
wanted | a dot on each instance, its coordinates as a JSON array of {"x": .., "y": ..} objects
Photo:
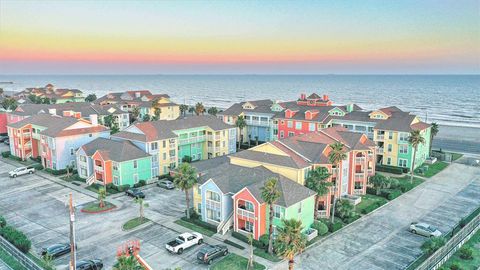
[
  {"x": 351, "y": 219},
  {"x": 390, "y": 169},
  {"x": 394, "y": 194},
  {"x": 405, "y": 186},
  {"x": 56, "y": 172},
  {"x": 140, "y": 183},
  {"x": 371, "y": 191},
  {"x": 17, "y": 238},
  {"x": 264, "y": 240},
  {"x": 466, "y": 253},
  {"x": 462, "y": 223},
  {"x": 37, "y": 167},
  {"x": 321, "y": 227},
  {"x": 244, "y": 238},
  {"x": 6, "y": 154},
  {"x": 187, "y": 159},
  {"x": 455, "y": 266},
  {"x": 371, "y": 207},
  {"x": 344, "y": 209},
  {"x": 432, "y": 244},
  {"x": 37, "y": 159},
  {"x": 333, "y": 227},
  {"x": 3, "y": 222}
]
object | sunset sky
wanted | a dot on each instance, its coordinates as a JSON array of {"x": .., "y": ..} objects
[{"x": 240, "y": 37}]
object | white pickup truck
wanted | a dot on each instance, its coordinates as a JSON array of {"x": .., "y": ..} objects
[
  {"x": 21, "y": 171},
  {"x": 183, "y": 242}
]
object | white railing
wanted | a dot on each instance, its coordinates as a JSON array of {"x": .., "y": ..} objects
[
  {"x": 211, "y": 149},
  {"x": 90, "y": 180},
  {"x": 192, "y": 140},
  {"x": 359, "y": 159},
  {"x": 225, "y": 225},
  {"x": 322, "y": 213},
  {"x": 98, "y": 168},
  {"x": 380, "y": 150},
  {"x": 214, "y": 205},
  {"x": 172, "y": 145},
  {"x": 258, "y": 123},
  {"x": 214, "y": 137},
  {"x": 380, "y": 137},
  {"x": 359, "y": 176},
  {"x": 245, "y": 213},
  {"x": 358, "y": 191},
  {"x": 173, "y": 159},
  {"x": 370, "y": 170}
]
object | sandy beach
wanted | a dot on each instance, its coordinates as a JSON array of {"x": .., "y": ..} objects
[{"x": 458, "y": 139}]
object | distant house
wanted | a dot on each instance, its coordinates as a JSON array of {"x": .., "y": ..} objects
[
  {"x": 80, "y": 110},
  {"x": 107, "y": 161},
  {"x": 145, "y": 101},
  {"x": 51, "y": 92},
  {"x": 54, "y": 139},
  {"x": 170, "y": 142},
  {"x": 229, "y": 196}
]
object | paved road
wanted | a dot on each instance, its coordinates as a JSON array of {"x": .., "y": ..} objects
[
  {"x": 36, "y": 206},
  {"x": 382, "y": 241}
]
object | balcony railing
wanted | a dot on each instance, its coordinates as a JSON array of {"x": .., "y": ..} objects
[
  {"x": 322, "y": 213},
  {"x": 192, "y": 140},
  {"x": 172, "y": 145},
  {"x": 380, "y": 150},
  {"x": 173, "y": 159},
  {"x": 359, "y": 176},
  {"x": 258, "y": 123},
  {"x": 380, "y": 137},
  {"x": 358, "y": 191},
  {"x": 245, "y": 213},
  {"x": 370, "y": 170},
  {"x": 98, "y": 168},
  {"x": 359, "y": 159},
  {"x": 211, "y": 204}
]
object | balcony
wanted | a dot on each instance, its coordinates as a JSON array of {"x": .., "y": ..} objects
[
  {"x": 322, "y": 213},
  {"x": 380, "y": 151},
  {"x": 211, "y": 149},
  {"x": 359, "y": 159},
  {"x": 214, "y": 205},
  {"x": 370, "y": 171},
  {"x": 173, "y": 159},
  {"x": 245, "y": 214},
  {"x": 192, "y": 140},
  {"x": 258, "y": 123},
  {"x": 380, "y": 137},
  {"x": 359, "y": 176},
  {"x": 214, "y": 137},
  {"x": 98, "y": 168},
  {"x": 172, "y": 145}
]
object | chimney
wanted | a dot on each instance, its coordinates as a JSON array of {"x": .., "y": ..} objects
[
  {"x": 137, "y": 94},
  {"x": 325, "y": 97},
  {"x": 52, "y": 111},
  {"x": 303, "y": 96},
  {"x": 94, "y": 119}
]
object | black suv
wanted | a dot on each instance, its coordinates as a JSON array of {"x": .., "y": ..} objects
[
  {"x": 208, "y": 253},
  {"x": 136, "y": 193}
]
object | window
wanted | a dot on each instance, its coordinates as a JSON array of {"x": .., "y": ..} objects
[
  {"x": 164, "y": 143},
  {"x": 213, "y": 196},
  {"x": 135, "y": 178},
  {"x": 277, "y": 211},
  {"x": 298, "y": 125},
  {"x": 390, "y": 135},
  {"x": 403, "y": 137},
  {"x": 72, "y": 151},
  {"x": 403, "y": 149},
  {"x": 115, "y": 166},
  {"x": 115, "y": 180},
  {"x": 199, "y": 208},
  {"x": 248, "y": 226},
  {"x": 135, "y": 164},
  {"x": 164, "y": 156},
  {"x": 213, "y": 215},
  {"x": 291, "y": 134},
  {"x": 83, "y": 158},
  {"x": 154, "y": 146},
  {"x": 290, "y": 124},
  {"x": 282, "y": 135},
  {"x": 275, "y": 132},
  {"x": 402, "y": 162},
  {"x": 389, "y": 161},
  {"x": 83, "y": 172},
  {"x": 389, "y": 148},
  {"x": 311, "y": 126},
  {"x": 155, "y": 158},
  {"x": 249, "y": 206},
  {"x": 300, "y": 208}
]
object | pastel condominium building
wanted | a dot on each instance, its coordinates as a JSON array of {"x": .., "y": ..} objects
[
  {"x": 295, "y": 157},
  {"x": 314, "y": 112},
  {"x": 229, "y": 197},
  {"x": 106, "y": 161},
  {"x": 54, "y": 139},
  {"x": 145, "y": 101},
  {"x": 53, "y": 93},
  {"x": 80, "y": 110},
  {"x": 190, "y": 138}
]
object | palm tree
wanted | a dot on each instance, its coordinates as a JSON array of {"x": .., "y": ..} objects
[
  {"x": 316, "y": 181},
  {"x": 250, "y": 257},
  {"x": 270, "y": 195},
  {"x": 378, "y": 181},
  {"x": 191, "y": 110},
  {"x": 157, "y": 111},
  {"x": 433, "y": 132},
  {"x": 183, "y": 109},
  {"x": 102, "y": 194},
  {"x": 290, "y": 240},
  {"x": 127, "y": 263},
  {"x": 415, "y": 139},
  {"x": 336, "y": 156},
  {"x": 142, "y": 205},
  {"x": 155, "y": 102},
  {"x": 212, "y": 111},
  {"x": 241, "y": 124},
  {"x": 199, "y": 108},
  {"x": 185, "y": 178}
]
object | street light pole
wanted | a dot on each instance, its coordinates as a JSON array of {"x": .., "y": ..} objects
[{"x": 73, "y": 257}]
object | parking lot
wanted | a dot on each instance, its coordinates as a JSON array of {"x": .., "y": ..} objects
[
  {"x": 37, "y": 207},
  {"x": 382, "y": 240}
]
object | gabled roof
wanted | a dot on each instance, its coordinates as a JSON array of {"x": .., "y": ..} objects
[
  {"x": 261, "y": 106},
  {"x": 86, "y": 109},
  {"x": 164, "y": 129},
  {"x": 114, "y": 150},
  {"x": 314, "y": 96},
  {"x": 285, "y": 161}
]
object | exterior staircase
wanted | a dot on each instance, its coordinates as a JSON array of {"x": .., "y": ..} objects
[
  {"x": 223, "y": 227},
  {"x": 91, "y": 179}
]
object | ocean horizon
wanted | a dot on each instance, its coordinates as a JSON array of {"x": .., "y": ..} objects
[{"x": 450, "y": 100}]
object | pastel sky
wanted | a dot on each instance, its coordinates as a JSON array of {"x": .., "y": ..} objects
[{"x": 240, "y": 37}]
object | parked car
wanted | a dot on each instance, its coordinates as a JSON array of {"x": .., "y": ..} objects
[
  {"x": 56, "y": 250},
  {"x": 95, "y": 264},
  {"x": 7, "y": 142},
  {"x": 166, "y": 184},
  {"x": 183, "y": 242},
  {"x": 208, "y": 253},
  {"x": 3, "y": 138},
  {"x": 424, "y": 229},
  {"x": 135, "y": 192},
  {"x": 21, "y": 171}
]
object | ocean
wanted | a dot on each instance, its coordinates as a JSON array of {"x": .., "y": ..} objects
[{"x": 452, "y": 100}]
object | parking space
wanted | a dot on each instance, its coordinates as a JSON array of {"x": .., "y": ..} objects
[
  {"x": 36, "y": 206},
  {"x": 382, "y": 240}
]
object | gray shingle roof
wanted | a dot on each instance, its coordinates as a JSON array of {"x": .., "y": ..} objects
[
  {"x": 262, "y": 106},
  {"x": 114, "y": 150},
  {"x": 280, "y": 160},
  {"x": 84, "y": 108}
]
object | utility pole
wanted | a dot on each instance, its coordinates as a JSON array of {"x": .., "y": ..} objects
[{"x": 73, "y": 257}]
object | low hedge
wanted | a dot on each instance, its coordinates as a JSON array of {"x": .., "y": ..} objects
[
  {"x": 405, "y": 186},
  {"x": 321, "y": 227},
  {"x": 390, "y": 169},
  {"x": 6, "y": 154},
  {"x": 390, "y": 194},
  {"x": 140, "y": 183},
  {"x": 16, "y": 238},
  {"x": 371, "y": 207},
  {"x": 371, "y": 191},
  {"x": 200, "y": 223},
  {"x": 244, "y": 238},
  {"x": 56, "y": 172},
  {"x": 120, "y": 188},
  {"x": 333, "y": 227},
  {"x": 37, "y": 167}
]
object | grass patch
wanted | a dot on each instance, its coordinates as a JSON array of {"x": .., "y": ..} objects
[
  {"x": 235, "y": 262},
  {"x": 474, "y": 245},
  {"x": 133, "y": 223},
  {"x": 95, "y": 187},
  {"x": 231, "y": 243},
  {"x": 94, "y": 207},
  {"x": 406, "y": 180},
  {"x": 72, "y": 178},
  {"x": 194, "y": 227},
  {"x": 260, "y": 252},
  {"x": 10, "y": 260},
  {"x": 39, "y": 261},
  {"x": 433, "y": 168},
  {"x": 456, "y": 156},
  {"x": 369, "y": 203}
]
